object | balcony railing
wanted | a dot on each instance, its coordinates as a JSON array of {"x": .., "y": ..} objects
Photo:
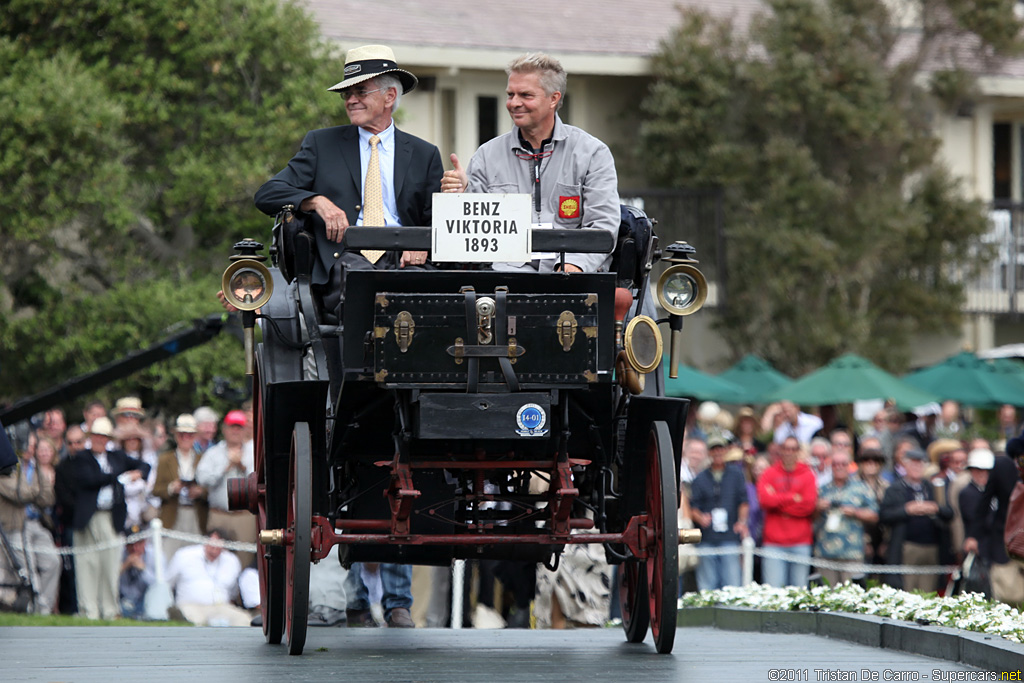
[
  {"x": 992, "y": 270},
  {"x": 993, "y": 273}
]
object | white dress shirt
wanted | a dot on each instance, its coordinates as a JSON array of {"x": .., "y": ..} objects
[
  {"x": 198, "y": 581},
  {"x": 386, "y": 158}
]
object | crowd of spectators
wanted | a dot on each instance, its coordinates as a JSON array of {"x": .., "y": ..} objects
[
  {"x": 827, "y": 501},
  {"x": 87, "y": 486},
  {"x": 823, "y": 501}
]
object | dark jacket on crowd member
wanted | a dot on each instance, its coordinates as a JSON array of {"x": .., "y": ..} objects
[
  {"x": 893, "y": 514},
  {"x": 87, "y": 478},
  {"x": 1001, "y": 480},
  {"x": 8, "y": 458},
  {"x": 990, "y": 546}
]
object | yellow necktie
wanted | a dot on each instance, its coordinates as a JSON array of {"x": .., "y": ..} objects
[{"x": 373, "y": 198}]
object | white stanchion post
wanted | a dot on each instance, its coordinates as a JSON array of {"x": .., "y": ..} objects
[
  {"x": 158, "y": 547},
  {"x": 748, "y": 560},
  {"x": 458, "y": 581},
  {"x": 159, "y": 597}
]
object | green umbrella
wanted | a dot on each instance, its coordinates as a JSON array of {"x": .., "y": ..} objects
[
  {"x": 696, "y": 384},
  {"x": 847, "y": 379},
  {"x": 1009, "y": 368},
  {"x": 969, "y": 380},
  {"x": 757, "y": 378}
]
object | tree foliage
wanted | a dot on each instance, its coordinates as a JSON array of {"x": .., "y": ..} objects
[
  {"x": 135, "y": 133},
  {"x": 842, "y": 223}
]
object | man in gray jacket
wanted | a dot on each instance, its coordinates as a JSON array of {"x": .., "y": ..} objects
[{"x": 569, "y": 173}]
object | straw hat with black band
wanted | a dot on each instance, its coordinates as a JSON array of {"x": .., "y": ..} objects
[{"x": 369, "y": 61}]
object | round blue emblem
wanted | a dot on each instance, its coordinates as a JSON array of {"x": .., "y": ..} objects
[{"x": 531, "y": 417}]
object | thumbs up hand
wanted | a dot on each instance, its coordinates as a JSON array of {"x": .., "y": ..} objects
[{"x": 455, "y": 180}]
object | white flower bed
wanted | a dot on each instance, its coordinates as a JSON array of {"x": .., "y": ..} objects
[{"x": 970, "y": 611}]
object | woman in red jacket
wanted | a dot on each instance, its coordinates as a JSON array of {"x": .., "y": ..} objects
[{"x": 788, "y": 492}]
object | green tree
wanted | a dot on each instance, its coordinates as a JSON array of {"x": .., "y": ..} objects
[
  {"x": 842, "y": 224},
  {"x": 135, "y": 133}
]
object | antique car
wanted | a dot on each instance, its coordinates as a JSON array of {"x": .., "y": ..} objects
[{"x": 408, "y": 427}]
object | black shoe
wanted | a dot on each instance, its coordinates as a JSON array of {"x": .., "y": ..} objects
[
  {"x": 257, "y": 620},
  {"x": 400, "y": 618},
  {"x": 360, "y": 618},
  {"x": 518, "y": 619}
]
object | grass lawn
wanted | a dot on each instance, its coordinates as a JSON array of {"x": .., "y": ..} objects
[{"x": 11, "y": 619}]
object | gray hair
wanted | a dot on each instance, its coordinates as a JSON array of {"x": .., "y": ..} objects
[
  {"x": 205, "y": 414},
  {"x": 389, "y": 81},
  {"x": 552, "y": 75},
  {"x": 819, "y": 441}
]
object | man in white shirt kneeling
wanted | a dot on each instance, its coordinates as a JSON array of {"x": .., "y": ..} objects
[{"x": 205, "y": 579}]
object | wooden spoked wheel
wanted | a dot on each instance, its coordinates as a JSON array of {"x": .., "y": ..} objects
[
  {"x": 663, "y": 539},
  {"x": 269, "y": 560},
  {"x": 298, "y": 552},
  {"x": 636, "y": 610}
]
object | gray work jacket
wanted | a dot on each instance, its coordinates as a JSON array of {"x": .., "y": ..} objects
[{"x": 579, "y": 186}]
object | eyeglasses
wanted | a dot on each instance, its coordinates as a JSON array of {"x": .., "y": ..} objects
[{"x": 347, "y": 93}]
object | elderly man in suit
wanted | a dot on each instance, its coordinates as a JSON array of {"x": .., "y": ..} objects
[
  {"x": 367, "y": 173},
  {"x": 96, "y": 478}
]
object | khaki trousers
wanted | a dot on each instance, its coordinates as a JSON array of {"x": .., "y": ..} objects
[
  {"x": 834, "y": 577},
  {"x": 1008, "y": 582},
  {"x": 46, "y": 564},
  {"x": 187, "y": 522},
  {"x": 920, "y": 555},
  {"x": 97, "y": 572},
  {"x": 241, "y": 524},
  {"x": 223, "y": 614}
]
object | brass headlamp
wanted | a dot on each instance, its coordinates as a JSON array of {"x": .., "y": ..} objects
[
  {"x": 641, "y": 352},
  {"x": 247, "y": 285},
  {"x": 682, "y": 290}
]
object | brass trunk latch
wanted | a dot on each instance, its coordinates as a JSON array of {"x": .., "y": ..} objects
[
  {"x": 485, "y": 308},
  {"x": 566, "y": 329},
  {"x": 404, "y": 329}
]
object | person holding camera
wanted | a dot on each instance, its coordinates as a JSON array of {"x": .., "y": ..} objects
[{"x": 182, "y": 501}]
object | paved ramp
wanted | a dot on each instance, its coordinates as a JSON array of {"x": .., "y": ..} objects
[{"x": 218, "y": 655}]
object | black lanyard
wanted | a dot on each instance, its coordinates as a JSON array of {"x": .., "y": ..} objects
[{"x": 535, "y": 156}]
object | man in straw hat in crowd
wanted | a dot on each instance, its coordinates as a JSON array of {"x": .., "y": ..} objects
[
  {"x": 96, "y": 479},
  {"x": 182, "y": 500},
  {"x": 368, "y": 173},
  {"x": 127, "y": 410}
]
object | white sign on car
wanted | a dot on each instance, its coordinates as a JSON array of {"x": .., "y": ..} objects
[{"x": 481, "y": 228}]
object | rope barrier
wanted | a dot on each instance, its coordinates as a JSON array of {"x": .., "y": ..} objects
[
  {"x": 822, "y": 563},
  {"x": 133, "y": 538},
  {"x": 771, "y": 553}
]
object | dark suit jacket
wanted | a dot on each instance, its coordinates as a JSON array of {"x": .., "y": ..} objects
[
  {"x": 86, "y": 480},
  {"x": 893, "y": 514},
  {"x": 328, "y": 164},
  {"x": 1001, "y": 480}
]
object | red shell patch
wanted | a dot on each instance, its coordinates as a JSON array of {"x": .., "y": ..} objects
[{"x": 569, "y": 207}]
